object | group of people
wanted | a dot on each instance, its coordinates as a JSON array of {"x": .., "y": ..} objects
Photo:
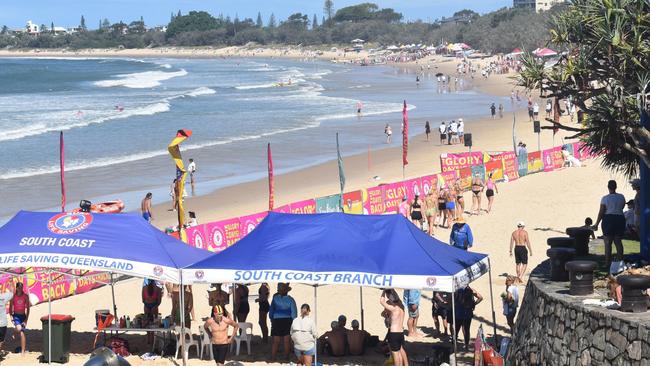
[
  {"x": 452, "y": 133},
  {"x": 493, "y": 110}
]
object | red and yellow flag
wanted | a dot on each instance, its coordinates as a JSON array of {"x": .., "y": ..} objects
[{"x": 175, "y": 152}]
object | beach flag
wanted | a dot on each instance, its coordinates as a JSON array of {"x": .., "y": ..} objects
[
  {"x": 405, "y": 136},
  {"x": 181, "y": 174},
  {"x": 556, "y": 115},
  {"x": 62, "y": 168},
  {"x": 341, "y": 171},
  {"x": 271, "y": 182}
]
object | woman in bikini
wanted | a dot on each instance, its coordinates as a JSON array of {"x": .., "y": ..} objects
[
  {"x": 431, "y": 202},
  {"x": 460, "y": 201},
  {"x": 477, "y": 189},
  {"x": 489, "y": 192},
  {"x": 442, "y": 207},
  {"x": 416, "y": 212}
]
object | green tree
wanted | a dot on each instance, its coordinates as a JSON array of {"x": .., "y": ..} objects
[
  {"x": 466, "y": 13},
  {"x": 605, "y": 73},
  {"x": 328, "y": 9},
  {"x": 272, "y": 22},
  {"x": 258, "y": 22},
  {"x": 195, "y": 21},
  {"x": 52, "y": 28},
  {"x": 314, "y": 22},
  {"x": 106, "y": 24},
  {"x": 356, "y": 13},
  {"x": 82, "y": 24},
  {"x": 44, "y": 28}
]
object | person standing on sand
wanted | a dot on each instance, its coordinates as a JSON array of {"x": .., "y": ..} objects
[
  {"x": 549, "y": 107},
  {"x": 493, "y": 111},
  {"x": 611, "y": 214},
  {"x": 443, "y": 133},
  {"x": 145, "y": 207},
  {"x": 217, "y": 326},
  {"x": 461, "y": 131},
  {"x": 431, "y": 204},
  {"x": 415, "y": 210},
  {"x": 477, "y": 189},
  {"x": 510, "y": 300},
  {"x": 427, "y": 129},
  {"x": 303, "y": 335},
  {"x": 460, "y": 200},
  {"x": 500, "y": 110},
  {"x": 536, "y": 112},
  {"x": 490, "y": 191},
  {"x": 412, "y": 302},
  {"x": 263, "y": 301},
  {"x": 173, "y": 193},
  {"x": 389, "y": 132},
  {"x": 19, "y": 308},
  {"x": 441, "y": 308},
  {"x": 282, "y": 312},
  {"x": 465, "y": 302},
  {"x": 461, "y": 235},
  {"x": 191, "y": 168},
  {"x": 521, "y": 244},
  {"x": 393, "y": 305}
]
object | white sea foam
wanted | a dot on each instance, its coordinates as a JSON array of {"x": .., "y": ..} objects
[
  {"x": 200, "y": 91},
  {"x": 141, "y": 80},
  {"x": 166, "y": 66},
  {"x": 257, "y": 86}
]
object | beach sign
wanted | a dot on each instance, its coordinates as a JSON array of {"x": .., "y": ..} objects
[
  {"x": 465, "y": 178},
  {"x": 303, "y": 207},
  {"x": 328, "y": 204},
  {"x": 353, "y": 202},
  {"x": 374, "y": 201},
  {"x": 494, "y": 166},
  {"x": 456, "y": 161},
  {"x": 510, "y": 165},
  {"x": 196, "y": 236},
  {"x": 535, "y": 163},
  {"x": 429, "y": 183},
  {"x": 393, "y": 194},
  {"x": 413, "y": 187},
  {"x": 222, "y": 234},
  {"x": 250, "y": 222}
]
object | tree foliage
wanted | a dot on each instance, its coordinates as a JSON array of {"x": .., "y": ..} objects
[
  {"x": 605, "y": 72},
  {"x": 195, "y": 21}
]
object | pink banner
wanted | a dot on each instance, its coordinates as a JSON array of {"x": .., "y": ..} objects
[
  {"x": 222, "y": 234},
  {"x": 413, "y": 187},
  {"x": 450, "y": 162},
  {"x": 283, "y": 209},
  {"x": 303, "y": 207},
  {"x": 374, "y": 202},
  {"x": 558, "y": 158},
  {"x": 196, "y": 236},
  {"x": 37, "y": 288},
  {"x": 510, "y": 165},
  {"x": 547, "y": 158},
  {"x": 250, "y": 222},
  {"x": 393, "y": 194},
  {"x": 429, "y": 183},
  {"x": 582, "y": 152},
  {"x": 447, "y": 179}
]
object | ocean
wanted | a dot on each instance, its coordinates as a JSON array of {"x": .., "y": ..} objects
[{"x": 118, "y": 115}]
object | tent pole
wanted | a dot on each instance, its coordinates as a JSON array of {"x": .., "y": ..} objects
[
  {"x": 113, "y": 295},
  {"x": 453, "y": 327},
  {"x": 316, "y": 323},
  {"x": 494, "y": 317},
  {"x": 361, "y": 303},
  {"x": 182, "y": 313},
  {"x": 49, "y": 318}
]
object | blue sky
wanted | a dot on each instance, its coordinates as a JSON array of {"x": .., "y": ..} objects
[{"x": 67, "y": 13}]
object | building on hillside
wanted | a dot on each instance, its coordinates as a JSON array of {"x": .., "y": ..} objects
[
  {"x": 537, "y": 5},
  {"x": 59, "y": 30},
  {"x": 32, "y": 28}
]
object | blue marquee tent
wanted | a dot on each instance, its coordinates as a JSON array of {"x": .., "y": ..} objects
[
  {"x": 336, "y": 248},
  {"x": 117, "y": 243}
]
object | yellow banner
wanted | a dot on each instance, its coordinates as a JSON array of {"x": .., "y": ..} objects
[{"x": 175, "y": 152}]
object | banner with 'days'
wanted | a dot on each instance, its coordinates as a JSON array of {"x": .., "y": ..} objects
[
  {"x": 374, "y": 202},
  {"x": 456, "y": 161},
  {"x": 429, "y": 183},
  {"x": 196, "y": 236},
  {"x": 493, "y": 166},
  {"x": 328, "y": 204},
  {"x": 222, "y": 234},
  {"x": 353, "y": 202},
  {"x": 393, "y": 194},
  {"x": 510, "y": 165},
  {"x": 535, "y": 162},
  {"x": 303, "y": 207},
  {"x": 250, "y": 222}
]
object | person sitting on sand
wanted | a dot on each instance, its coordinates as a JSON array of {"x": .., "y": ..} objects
[
  {"x": 393, "y": 305},
  {"x": 333, "y": 341},
  {"x": 357, "y": 339},
  {"x": 217, "y": 326}
]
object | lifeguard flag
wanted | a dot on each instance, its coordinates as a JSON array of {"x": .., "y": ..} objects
[
  {"x": 556, "y": 115},
  {"x": 405, "y": 136},
  {"x": 181, "y": 174},
  {"x": 271, "y": 182},
  {"x": 62, "y": 166},
  {"x": 341, "y": 171}
]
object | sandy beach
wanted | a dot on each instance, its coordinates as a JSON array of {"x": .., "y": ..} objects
[{"x": 546, "y": 202}]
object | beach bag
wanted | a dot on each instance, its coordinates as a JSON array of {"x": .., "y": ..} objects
[
  {"x": 461, "y": 239},
  {"x": 120, "y": 346}
]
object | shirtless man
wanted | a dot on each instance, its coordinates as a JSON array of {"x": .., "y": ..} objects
[
  {"x": 333, "y": 340},
  {"x": 217, "y": 326},
  {"x": 357, "y": 339},
  {"x": 392, "y": 303},
  {"x": 145, "y": 207},
  {"x": 519, "y": 240}
]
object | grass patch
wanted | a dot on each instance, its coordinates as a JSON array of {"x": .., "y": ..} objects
[{"x": 629, "y": 247}]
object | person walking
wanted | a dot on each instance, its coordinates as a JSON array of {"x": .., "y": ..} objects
[
  {"x": 491, "y": 189},
  {"x": 441, "y": 308},
  {"x": 510, "y": 299},
  {"x": 415, "y": 210},
  {"x": 535, "y": 112},
  {"x": 493, "y": 111},
  {"x": 461, "y": 235},
  {"x": 427, "y": 129},
  {"x": 500, "y": 110},
  {"x": 461, "y": 131},
  {"x": 145, "y": 207},
  {"x": 466, "y": 300},
  {"x": 477, "y": 189},
  {"x": 443, "y": 133},
  {"x": 613, "y": 228},
  {"x": 303, "y": 336},
  {"x": 548, "y": 108},
  {"x": 460, "y": 200},
  {"x": 264, "y": 307},
  {"x": 173, "y": 192},
  {"x": 412, "y": 302},
  {"x": 282, "y": 312},
  {"x": 431, "y": 203},
  {"x": 217, "y": 326},
  {"x": 394, "y": 310},
  {"x": 389, "y": 133},
  {"x": 521, "y": 244}
]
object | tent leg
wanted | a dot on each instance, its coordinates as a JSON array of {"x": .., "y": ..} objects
[
  {"x": 113, "y": 295},
  {"x": 453, "y": 327},
  {"x": 316, "y": 323},
  {"x": 49, "y": 317},
  {"x": 361, "y": 303},
  {"x": 182, "y": 313},
  {"x": 494, "y": 317}
]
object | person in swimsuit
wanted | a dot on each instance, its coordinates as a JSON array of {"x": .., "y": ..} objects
[
  {"x": 19, "y": 310},
  {"x": 217, "y": 326},
  {"x": 519, "y": 240},
  {"x": 241, "y": 306},
  {"x": 151, "y": 298},
  {"x": 263, "y": 301},
  {"x": 450, "y": 204},
  {"x": 395, "y": 309},
  {"x": 477, "y": 189},
  {"x": 489, "y": 192},
  {"x": 427, "y": 129},
  {"x": 460, "y": 201},
  {"x": 145, "y": 207},
  {"x": 404, "y": 207},
  {"x": 416, "y": 212},
  {"x": 431, "y": 209},
  {"x": 442, "y": 207}
]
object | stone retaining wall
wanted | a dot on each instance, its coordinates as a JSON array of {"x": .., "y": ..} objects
[{"x": 555, "y": 328}]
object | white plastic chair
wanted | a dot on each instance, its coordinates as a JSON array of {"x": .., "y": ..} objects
[
  {"x": 245, "y": 335},
  {"x": 206, "y": 342},
  {"x": 189, "y": 341}
]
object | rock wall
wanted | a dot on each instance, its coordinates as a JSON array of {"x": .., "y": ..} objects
[{"x": 555, "y": 328}]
